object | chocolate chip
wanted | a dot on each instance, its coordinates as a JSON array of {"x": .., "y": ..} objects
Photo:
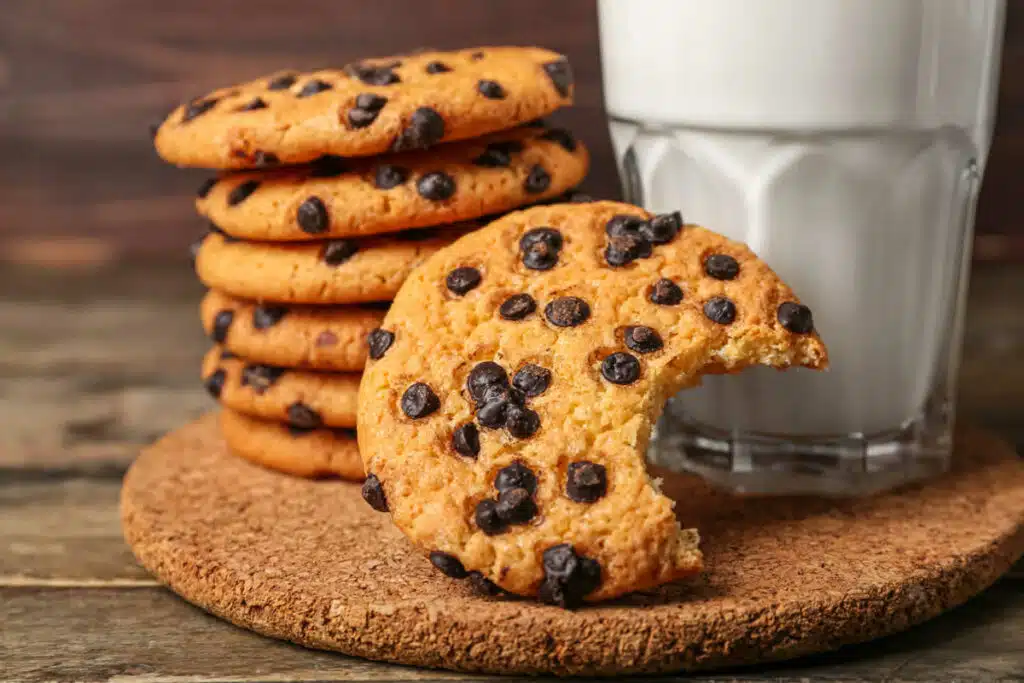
[
  {"x": 522, "y": 423},
  {"x": 312, "y": 216},
  {"x": 624, "y": 249},
  {"x": 484, "y": 376},
  {"x": 624, "y": 225},
  {"x": 720, "y": 310},
  {"x": 298, "y": 431},
  {"x": 476, "y": 56},
  {"x": 516, "y": 476},
  {"x": 466, "y": 440},
  {"x": 488, "y": 519},
  {"x": 388, "y": 176},
  {"x": 436, "y": 186},
  {"x": 560, "y": 74},
  {"x": 517, "y": 307},
  {"x": 373, "y": 74},
  {"x": 540, "y": 248},
  {"x": 567, "y": 311},
  {"x": 796, "y": 318},
  {"x": 241, "y": 192},
  {"x": 666, "y": 293},
  {"x": 516, "y": 506},
  {"x": 437, "y": 68},
  {"x": 494, "y": 156},
  {"x": 260, "y": 377},
  {"x": 620, "y": 368},
  {"x": 449, "y": 565},
  {"x": 253, "y": 104},
  {"x": 205, "y": 188},
  {"x": 265, "y": 159},
  {"x": 532, "y": 380},
  {"x": 282, "y": 82},
  {"x": 721, "y": 267},
  {"x": 562, "y": 137},
  {"x": 370, "y": 101},
  {"x": 264, "y": 317},
  {"x": 462, "y": 280},
  {"x": 425, "y": 128},
  {"x": 568, "y": 576},
  {"x": 197, "y": 108},
  {"x": 302, "y": 416},
  {"x": 662, "y": 228},
  {"x": 379, "y": 342},
  {"x": 492, "y": 90},
  {"x": 373, "y": 493},
  {"x": 313, "y": 87},
  {"x": 484, "y": 586},
  {"x": 215, "y": 383},
  {"x": 537, "y": 180},
  {"x": 492, "y": 414},
  {"x": 361, "y": 118},
  {"x": 585, "y": 482},
  {"x": 643, "y": 339},
  {"x": 328, "y": 166},
  {"x": 221, "y": 324},
  {"x": 337, "y": 252},
  {"x": 419, "y": 400}
]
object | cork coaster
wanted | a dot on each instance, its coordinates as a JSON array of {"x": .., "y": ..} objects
[{"x": 310, "y": 562}]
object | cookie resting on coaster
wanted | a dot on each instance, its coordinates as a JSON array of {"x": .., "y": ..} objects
[{"x": 505, "y": 424}]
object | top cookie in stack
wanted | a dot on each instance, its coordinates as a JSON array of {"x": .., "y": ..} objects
[{"x": 333, "y": 186}]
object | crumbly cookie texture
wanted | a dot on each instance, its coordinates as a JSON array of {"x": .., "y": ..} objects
[
  {"x": 505, "y": 426},
  {"x": 300, "y": 399},
  {"x": 312, "y": 453},
  {"x": 383, "y": 104},
  {"x": 341, "y": 271},
  {"x": 356, "y": 197},
  {"x": 332, "y": 338}
]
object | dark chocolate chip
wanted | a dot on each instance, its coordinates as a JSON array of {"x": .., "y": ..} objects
[
  {"x": 484, "y": 376},
  {"x": 521, "y": 422},
  {"x": 492, "y": 414},
  {"x": 624, "y": 225},
  {"x": 379, "y": 342},
  {"x": 419, "y": 400},
  {"x": 205, "y": 188},
  {"x": 449, "y": 565},
  {"x": 312, "y": 216},
  {"x": 313, "y": 87},
  {"x": 643, "y": 339},
  {"x": 540, "y": 248},
  {"x": 328, "y": 166},
  {"x": 373, "y": 74},
  {"x": 361, "y": 118},
  {"x": 337, "y": 252},
  {"x": 537, "y": 180},
  {"x": 568, "y": 576},
  {"x": 466, "y": 440},
  {"x": 517, "y": 307},
  {"x": 221, "y": 324},
  {"x": 436, "y": 186},
  {"x": 586, "y": 482},
  {"x": 620, "y": 368},
  {"x": 492, "y": 90},
  {"x": 388, "y": 176},
  {"x": 663, "y": 227},
  {"x": 494, "y": 156},
  {"x": 484, "y": 586},
  {"x": 260, "y": 377},
  {"x": 666, "y": 293},
  {"x": 373, "y": 493},
  {"x": 624, "y": 249},
  {"x": 488, "y": 519},
  {"x": 425, "y": 128},
  {"x": 796, "y": 318},
  {"x": 532, "y": 380},
  {"x": 721, "y": 267},
  {"x": 462, "y": 280},
  {"x": 262, "y": 159},
  {"x": 476, "y": 56},
  {"x": 516, "y": 476},
  {"x": 720, "y": 310},
  {"x": 560, "y": 74},
  {"x": 302, "y": 416},
  {"x": 253, "y": 104},
  {"x": 214, "y": 384},
  {"x": 197, "y": 108},
  {"x": 265, "y": 317},
  {"x": 241, "y": 192},
  {"x": 370, "y": 101},
  {"x": 282, "y": 82},
  {"x": 516, "y": 506},
  {"x": 562, "y": 137},
  {"x": 437, "y": 68},
  {"x": 567, "y": 311}
]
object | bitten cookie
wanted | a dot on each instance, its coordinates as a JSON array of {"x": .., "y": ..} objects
[
  {"x": 301, "y": 399},
  {"x": 366, "y": 108},
  {"x": 342, "y": 271},
  {"x": 505, "y": 425},
  {"x": 333, "y": 338},
  {"x": 347, "y": 198},
  {"x": 312, "y": 453}
]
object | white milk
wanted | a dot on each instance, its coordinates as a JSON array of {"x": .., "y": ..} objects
[{"x": 843, "y": 141}]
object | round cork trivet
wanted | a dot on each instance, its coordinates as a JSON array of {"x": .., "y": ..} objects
[{"x": 310, "y": 562}]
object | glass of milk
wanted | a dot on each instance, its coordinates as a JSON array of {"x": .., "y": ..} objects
[{"x": 844, "y": 141}]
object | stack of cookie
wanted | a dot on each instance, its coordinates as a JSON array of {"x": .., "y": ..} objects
[{"x": 332, "y": 187}]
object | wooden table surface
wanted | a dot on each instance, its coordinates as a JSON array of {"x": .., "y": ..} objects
[{"x": 96, "y": 363}]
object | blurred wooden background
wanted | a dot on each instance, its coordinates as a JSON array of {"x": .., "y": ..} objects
[{"x": 80, "y": 80}]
